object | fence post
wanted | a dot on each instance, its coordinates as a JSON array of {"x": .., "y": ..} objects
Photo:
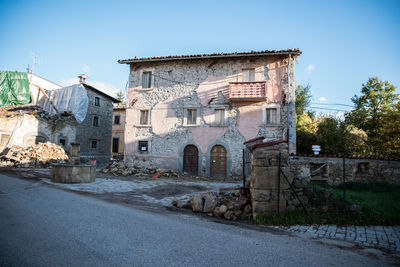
[
  {"x": 344, "y": 184},
  {"x": 279, "y": 179},
  {"x": 244, "y": 169}
]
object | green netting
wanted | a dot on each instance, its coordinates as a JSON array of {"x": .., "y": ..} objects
[{"x": 14, "y": 88}]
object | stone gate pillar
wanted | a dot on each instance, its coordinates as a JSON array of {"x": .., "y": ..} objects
[{"x": 264, "y": 177}]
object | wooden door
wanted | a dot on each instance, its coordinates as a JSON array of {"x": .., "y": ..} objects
[
  {"x": 191, "y": 160},
  {"x": 218, "y": 161}
]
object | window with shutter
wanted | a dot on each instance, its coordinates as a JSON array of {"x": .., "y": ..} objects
[
  {"x": 271, "y": 116},
  {"x": 144, "y": 117},
  {"x": 146, "y": 79},
  {"x": 192, "y": 116},
  {"x": 248, "y": 75},
  {"x": 219, "y": 116}
]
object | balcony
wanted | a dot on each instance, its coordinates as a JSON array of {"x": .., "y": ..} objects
[{"x": 247, "y": 91}]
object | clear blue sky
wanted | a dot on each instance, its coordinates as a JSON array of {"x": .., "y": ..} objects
[{"x": 343, "y": 42}]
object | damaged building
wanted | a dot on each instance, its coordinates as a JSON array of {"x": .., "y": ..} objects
[
  {"x": 193, "y": 113},
  {"x": 33, "y": 110}
]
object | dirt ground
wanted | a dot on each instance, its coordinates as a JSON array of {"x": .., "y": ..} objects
[{"x": 142, "y": 191}]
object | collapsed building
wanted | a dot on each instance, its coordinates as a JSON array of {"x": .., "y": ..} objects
[
  {"x": 33, "y": 110},
  {"x": 192, "y": 113}
]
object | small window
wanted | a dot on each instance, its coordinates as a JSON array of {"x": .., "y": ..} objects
[
  {"x": 97, "y": 101},
  {"x": 143, "y": 146},
  {"x": 94, "y": 144},
  {"x": 146, "y": 79},
  {"x": 144, "y": 117},
  {"x": 115, "y": 145},
  {"x": 249, "y": 75},
  {"x": 96, "y": 121},
  {"x": 192, "y": 116},
  {"x": 271, "y": 116},
  {"x": 63, "y": 142},
  {"x": 117, "y": 119},
  {"x": 219, "y": 116}
]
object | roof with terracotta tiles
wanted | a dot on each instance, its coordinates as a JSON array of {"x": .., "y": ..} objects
[{"x": 290, "y": 51}]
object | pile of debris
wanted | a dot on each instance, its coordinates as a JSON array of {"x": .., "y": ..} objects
[
  {"x": 39, "y": 155},
  {"x": 231, "y": 204},
  {"x": 118, "y": 168}
]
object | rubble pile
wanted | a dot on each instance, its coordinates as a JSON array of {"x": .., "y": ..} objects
[
  {"x": 118, "y": 168},
  {"x": 231, "y": 204},
  {"x": 42, "y": 154}
]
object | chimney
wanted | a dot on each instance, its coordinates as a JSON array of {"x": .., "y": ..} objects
[{"x": 82, "y": 78}]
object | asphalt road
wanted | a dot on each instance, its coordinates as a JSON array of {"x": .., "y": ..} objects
[{"x": 44, "y": 226}]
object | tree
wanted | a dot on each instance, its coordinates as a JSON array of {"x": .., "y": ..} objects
[
  {"x": 303, "y": 99},
  {"x": 355, "y": 140},
  {"x": 306, "y": 124},
  {"x": 374, "y": 111},
  {"x": 330, "y": 135},
  {"x": 121, "y": 97}
]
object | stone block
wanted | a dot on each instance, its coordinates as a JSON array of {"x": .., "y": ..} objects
[
  {"x": 196, "y": 202},
  {"x": 260, "y": 195},
  {"x": 71, "y": 174},
  {"x": 264, "y": 178},
  {"x": 270, "y": 207}
]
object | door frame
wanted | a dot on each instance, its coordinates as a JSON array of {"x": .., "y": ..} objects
[
  {"x": 228, "y": 158},
  {"x": 181, "y": 153}
]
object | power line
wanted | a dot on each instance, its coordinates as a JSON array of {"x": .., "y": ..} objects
[
  {"x": 333, "y": 104},
  {"x": 332, "y": 109}
]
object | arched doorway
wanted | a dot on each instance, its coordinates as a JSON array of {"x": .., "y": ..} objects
[
  {"x": 218, "y": 161},
  {"x": 191, "y": 160}
]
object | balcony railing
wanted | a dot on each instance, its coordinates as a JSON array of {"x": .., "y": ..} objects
[{"x": 247, "y": 91}]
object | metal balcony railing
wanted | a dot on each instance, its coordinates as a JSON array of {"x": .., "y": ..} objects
[{"x": 247, "y": 91}]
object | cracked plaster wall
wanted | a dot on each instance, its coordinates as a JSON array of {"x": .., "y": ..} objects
[{"x": 201, "y": 84}]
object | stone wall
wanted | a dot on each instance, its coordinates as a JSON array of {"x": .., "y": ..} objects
[
  {"x": 330, "y": 169},
  {"x": 265, "y": 186},
  {"x": 202, "y": 85},
  {"x": 87, "y": 132},
  {"x": 267, "y": 189}
]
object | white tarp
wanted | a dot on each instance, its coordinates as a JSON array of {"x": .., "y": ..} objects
[{"x": 72, "y": 99}]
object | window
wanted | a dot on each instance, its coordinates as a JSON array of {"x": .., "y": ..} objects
[
  {"x": 146, "y": 79},
  {"x": 94, "y": 144},
  {"x": 96, "y": 121},
  {"x": 248, "y": 75},
  {"x": 115, "y": 144},
  {"x": 144, "y": 117},
  {"x": 271, "y": 116},
  {"x": 117, "y": 119},
  {"x": 97, "y": 101},
  {"x": 192, "y": 116},
  {"x": 143, "y": 146},
  {"x": 63, "y": 142},
  {"x": 219, "y": 116}
]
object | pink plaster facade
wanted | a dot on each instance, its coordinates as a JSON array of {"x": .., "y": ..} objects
[{"x": 180, "y": 87}]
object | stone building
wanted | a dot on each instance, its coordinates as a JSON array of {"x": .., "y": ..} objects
[
  {"x": 118, "y": 131},
  {"x": 25, "y": 125},
  {"x": 192, "y": 113},
  {"x": 94, "y": 133}
]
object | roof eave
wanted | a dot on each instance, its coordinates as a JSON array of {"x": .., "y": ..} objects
[{"x": 130, "y": 61}]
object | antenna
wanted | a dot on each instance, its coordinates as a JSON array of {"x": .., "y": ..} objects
[{"x": 35, "y": 59}]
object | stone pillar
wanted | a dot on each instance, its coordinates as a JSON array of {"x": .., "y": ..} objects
[
  {"x": 74, "y": 153},
  {"x": 264, "y": 177}
]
